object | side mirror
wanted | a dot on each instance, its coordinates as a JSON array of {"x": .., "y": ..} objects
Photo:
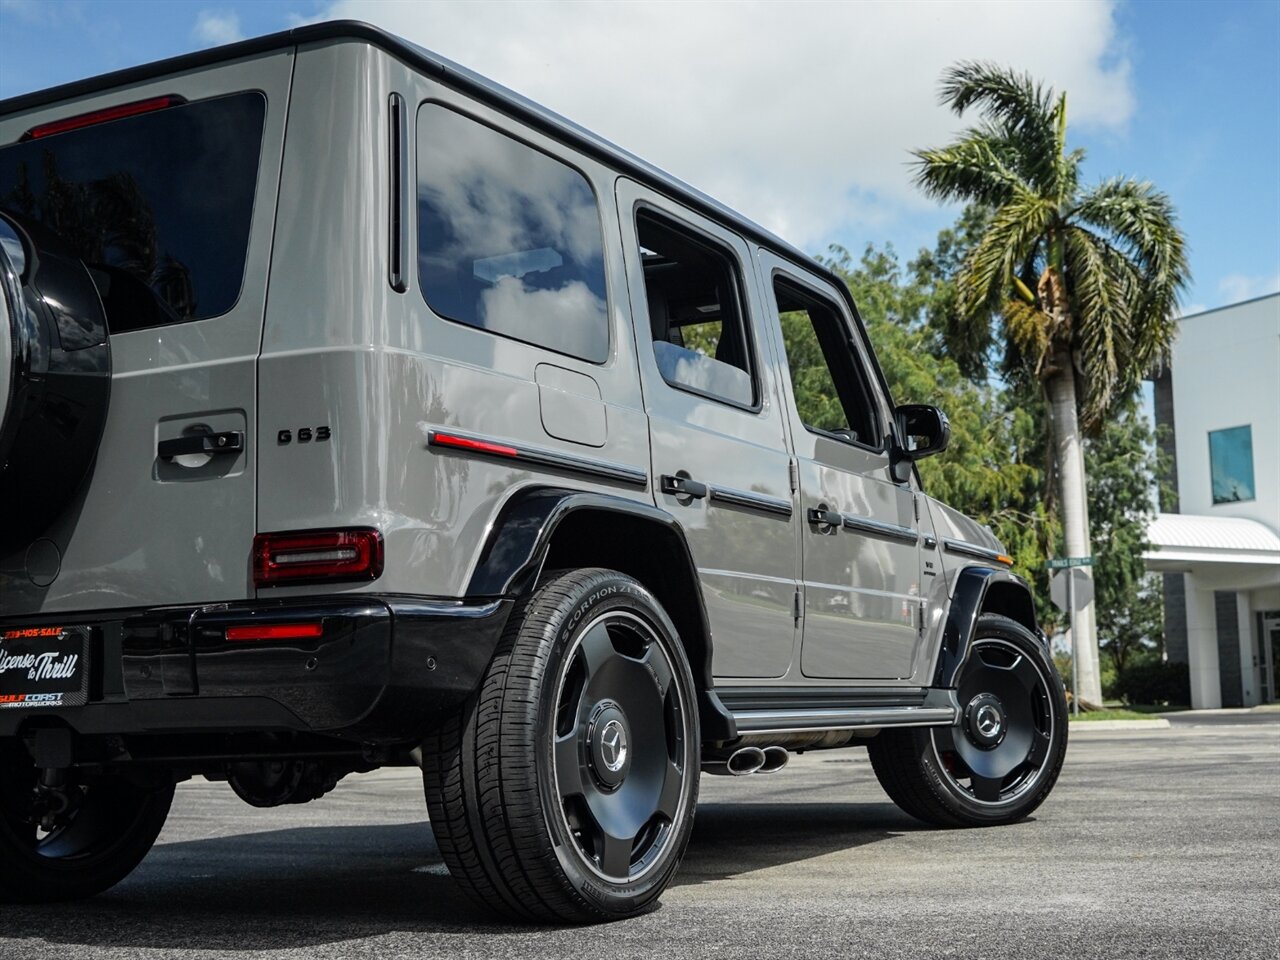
[{"x": 922, "y": 431}]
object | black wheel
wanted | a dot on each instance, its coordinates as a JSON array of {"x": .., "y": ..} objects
[
  {"x": 91, "y": 839},
  {"x": 565, "y": 790},
  {"x": 999, "y": 762}
]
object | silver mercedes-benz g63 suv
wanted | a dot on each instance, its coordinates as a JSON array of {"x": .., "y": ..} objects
[{"x": 356, "y": 411}]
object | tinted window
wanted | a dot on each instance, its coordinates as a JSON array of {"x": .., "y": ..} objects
[
  {"x": 158, "y": 205},
  {"x": 509, "y": 239},
  {"x": 1231, "y": 464},
  {"x": 826, "y": 377},
  {"x": 695, "y": 313}
]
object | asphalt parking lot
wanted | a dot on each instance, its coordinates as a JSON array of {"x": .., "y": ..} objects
[{"x": 1162, "y": 843}]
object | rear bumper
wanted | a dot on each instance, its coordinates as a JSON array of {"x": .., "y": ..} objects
[{"x": 383, "y": 669}]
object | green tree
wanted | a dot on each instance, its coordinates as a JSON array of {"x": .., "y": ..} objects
[
  {"x": 1122, "y": 466},
  {"x": 990, "y": 470},
  {"x": 1078, "y": 286}
]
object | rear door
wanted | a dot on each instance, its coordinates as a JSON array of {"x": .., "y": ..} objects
[
  {"x": 861, "y": 561},
  {"x": 171, "y": 205},
  {"x": 720, "y": 459}
]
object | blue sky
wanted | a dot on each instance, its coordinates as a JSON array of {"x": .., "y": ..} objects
[{"x": 1186, "y": 94}]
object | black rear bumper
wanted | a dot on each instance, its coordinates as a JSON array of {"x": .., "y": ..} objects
[{"x": 382, "y": 670}]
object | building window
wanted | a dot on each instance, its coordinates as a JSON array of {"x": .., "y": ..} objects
[{"x": 1231, "y": 464}]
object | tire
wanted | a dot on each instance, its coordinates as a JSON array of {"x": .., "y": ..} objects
[
  {"x": 55, "y": 380},
  {"x": 999, "y": 762},
  {"x": 109, "y": 828},
  {"x": 586, "y": 716}
]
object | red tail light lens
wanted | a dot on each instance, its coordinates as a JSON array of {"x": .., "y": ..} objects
[
  {"x": 118, "y": 112},
  {"x": 276, "y": 631},
  {"x": 316, "y": 556}
]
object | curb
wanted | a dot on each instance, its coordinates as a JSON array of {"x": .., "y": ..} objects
[{"x": 1157, "y": 724}]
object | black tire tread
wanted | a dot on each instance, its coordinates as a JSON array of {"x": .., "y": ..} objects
[{"x": 480, "y": 781}]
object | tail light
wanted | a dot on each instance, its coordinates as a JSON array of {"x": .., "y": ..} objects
[{"x": 316, "y": 556}]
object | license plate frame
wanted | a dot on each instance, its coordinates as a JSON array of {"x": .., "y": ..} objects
[{"x": 44, "y": 667}]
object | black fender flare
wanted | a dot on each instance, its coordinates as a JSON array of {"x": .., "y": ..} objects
[
  {"x": 974, "y": 585},
  {"x": 516, "y": 550}
]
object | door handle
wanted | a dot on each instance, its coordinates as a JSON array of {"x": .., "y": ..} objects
[
  {"x": 683, "y": 486},
  {"x": 824, "y": 517},
  {"x": 229, "y": 441}
]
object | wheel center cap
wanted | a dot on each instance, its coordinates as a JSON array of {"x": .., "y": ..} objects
[
  {"x": 613, "y": 746},
  {"x": 609, "y": 744},
  {"x": 984, "y": 721}
]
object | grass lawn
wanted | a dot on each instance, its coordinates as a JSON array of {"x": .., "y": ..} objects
[
  {"x": 1119, "y": 713},
  {"x": 1155, "y": 708}
]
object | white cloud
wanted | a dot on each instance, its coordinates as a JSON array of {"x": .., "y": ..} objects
[
  {"x": 216, "y": 27},
  {"x": 800, "y": 114},
  {"x": 26, "y": 10},
  {"x": 1236, "y": 287}
]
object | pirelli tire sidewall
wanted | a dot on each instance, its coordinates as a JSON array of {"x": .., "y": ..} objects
[{"x": 55, "y": 385}]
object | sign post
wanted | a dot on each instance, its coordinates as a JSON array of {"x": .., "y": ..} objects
[{"x": 1065, "y": 564}]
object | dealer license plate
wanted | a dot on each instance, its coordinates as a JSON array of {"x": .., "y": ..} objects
[{"x": 44, "y": 666}]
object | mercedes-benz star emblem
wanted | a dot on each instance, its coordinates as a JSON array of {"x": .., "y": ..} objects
[
  {"x": 613, "y": 746},
  {"x": 988, "y": 720}
]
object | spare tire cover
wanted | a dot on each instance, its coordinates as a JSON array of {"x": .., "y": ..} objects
[{"x": 55, "y": 383}]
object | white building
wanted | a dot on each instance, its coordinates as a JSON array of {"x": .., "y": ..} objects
[{"x": 1219, "y": 545}]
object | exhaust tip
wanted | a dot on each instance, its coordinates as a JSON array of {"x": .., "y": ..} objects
[
  {"x": 775, "y": 758},
  {"x": 740, "y": 763},
  {"x": 746, "y": 761}
]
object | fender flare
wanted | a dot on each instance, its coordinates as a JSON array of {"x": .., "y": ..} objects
[
  {"x": 516, "y": 549},
  {"x": 968, "y": 601}
]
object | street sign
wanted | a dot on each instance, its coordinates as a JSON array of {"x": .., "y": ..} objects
[
  {"x": 1065, "y": 594},
  {"x": 1061, "y": 563}
]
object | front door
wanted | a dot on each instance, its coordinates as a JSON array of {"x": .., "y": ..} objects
[
  {"x": 861, "y": 561},
  {"x": 717, "y": 439}
]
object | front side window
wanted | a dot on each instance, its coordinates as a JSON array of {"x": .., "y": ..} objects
[
  {"x": 1231, "y": 464},
  {"x": 509, "y": 238},
  {"x": 158, "y": 205},
  {"x": 695, "y": 315},
  {"x": 830, "y": 390}
]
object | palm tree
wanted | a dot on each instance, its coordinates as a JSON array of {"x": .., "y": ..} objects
[{"x": 1081, "y": 285}]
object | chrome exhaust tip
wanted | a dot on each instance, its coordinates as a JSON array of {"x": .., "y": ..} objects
[
  {"x": 741, "y": 763},
  {"x": 775, "y": 758}
]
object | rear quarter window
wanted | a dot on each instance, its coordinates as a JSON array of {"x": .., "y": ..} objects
[
  {"x": 509, "y": 238},
  {"x": 158, "y": 205}
]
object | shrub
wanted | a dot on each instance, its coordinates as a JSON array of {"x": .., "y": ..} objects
[{"x": 1154, "y": 681}]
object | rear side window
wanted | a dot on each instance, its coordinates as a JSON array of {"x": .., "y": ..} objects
[
  {"x": 695, "y": 314},
  {"x": 158, "y": 205},
  {"x": 509, "y": 238}
]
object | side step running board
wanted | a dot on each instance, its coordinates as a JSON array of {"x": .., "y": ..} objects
[
  {"x": 803, "y": 721},
  {"x": 764, "y": 710}
]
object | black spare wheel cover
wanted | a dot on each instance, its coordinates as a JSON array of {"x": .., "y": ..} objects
[{"x": 55, "y": 381}]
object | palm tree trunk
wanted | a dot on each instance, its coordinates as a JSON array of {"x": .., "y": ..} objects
[{"x": 1069, "y": 453}]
